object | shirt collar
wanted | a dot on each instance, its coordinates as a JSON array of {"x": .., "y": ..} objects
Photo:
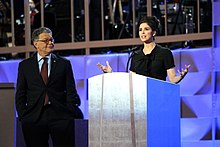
[{"x": 39, "y": 57}]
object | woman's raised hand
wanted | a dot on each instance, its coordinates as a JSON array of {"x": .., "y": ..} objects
[
  {"x": 184, "y": 71},
  {"x": 105, "y": 69}
]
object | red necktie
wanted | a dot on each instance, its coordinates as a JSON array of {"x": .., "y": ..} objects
[{"x": 44, "y": 74}]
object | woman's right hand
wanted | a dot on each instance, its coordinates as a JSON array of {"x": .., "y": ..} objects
[{"x": 105, "y": 69}]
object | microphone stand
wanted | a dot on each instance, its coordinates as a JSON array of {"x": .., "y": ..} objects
[
  {"x": 132, "y": 52},
  {"x": 131, "y": 55}
]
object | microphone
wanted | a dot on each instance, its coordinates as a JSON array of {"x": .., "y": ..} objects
[
  {"x": 133, "y": 49},
  {"x": 132, "y": 52},
  {"x": 128, "y": 50}
]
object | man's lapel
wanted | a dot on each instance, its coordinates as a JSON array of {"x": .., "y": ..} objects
[
  {"x": 53, "y": 66},
  {"x": 35, "y": 67}
]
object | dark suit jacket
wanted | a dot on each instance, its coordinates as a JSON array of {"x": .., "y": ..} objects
[{"x": 31, "y": 90}]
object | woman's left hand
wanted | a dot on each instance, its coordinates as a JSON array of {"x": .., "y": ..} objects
[{"x": 184, "y": 71}]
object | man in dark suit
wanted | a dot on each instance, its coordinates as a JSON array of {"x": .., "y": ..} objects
[{"x": 46, "y": 96}]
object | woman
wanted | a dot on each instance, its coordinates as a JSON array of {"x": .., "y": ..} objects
[{"x": 152, "y": 60}]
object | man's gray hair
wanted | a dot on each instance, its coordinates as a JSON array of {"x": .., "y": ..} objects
[{"x": 37, "y": 32}]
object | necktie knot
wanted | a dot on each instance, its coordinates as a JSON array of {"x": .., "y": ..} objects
[{"x": 45, "y": 59}]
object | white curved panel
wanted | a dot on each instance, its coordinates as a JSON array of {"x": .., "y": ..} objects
[
  {"x": 195, "y": 103},
  {"x": 199, "y": 59},
  {"x": 194, "y": 82},
  {"x": 195, "y": 128}
]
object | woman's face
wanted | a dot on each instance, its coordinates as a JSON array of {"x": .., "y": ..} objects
[{"x": 146, "y": 33}]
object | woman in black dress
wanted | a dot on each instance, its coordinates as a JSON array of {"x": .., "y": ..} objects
[{"x": 152, "y": 60}]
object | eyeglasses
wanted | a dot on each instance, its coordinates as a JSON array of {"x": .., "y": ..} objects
[{"x": 47, "y": 40}]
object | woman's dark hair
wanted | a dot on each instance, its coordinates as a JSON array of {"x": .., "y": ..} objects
[{"x": 152, "y": 21}]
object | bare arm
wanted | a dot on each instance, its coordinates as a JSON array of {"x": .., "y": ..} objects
[{"x": 177, "y": 78}]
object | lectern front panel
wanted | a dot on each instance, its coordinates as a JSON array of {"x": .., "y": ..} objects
[{"x": 126, "y": 110}]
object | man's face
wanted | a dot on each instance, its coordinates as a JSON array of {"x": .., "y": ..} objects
[{"x": 44, "y": 44}]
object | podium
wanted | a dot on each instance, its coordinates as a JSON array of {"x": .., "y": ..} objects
[
  {"x": 130, "y": 110},
  {"x": 7, "y": 115}
]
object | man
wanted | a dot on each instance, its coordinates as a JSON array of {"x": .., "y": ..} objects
[{"x": 46, "y": 96}]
